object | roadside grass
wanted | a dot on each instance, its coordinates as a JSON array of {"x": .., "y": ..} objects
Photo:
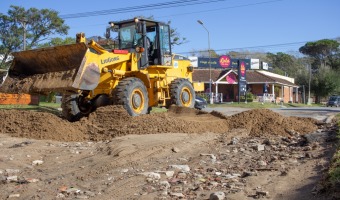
[
  {"x": 334, "y": 170},
  {"x": 42, "y": 107}
]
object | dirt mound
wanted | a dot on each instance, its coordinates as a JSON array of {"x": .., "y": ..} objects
[
  {"x": 264, "y": 122},
  {"x": 113, "y": 121},
  {"x": 40, "y": 125}
]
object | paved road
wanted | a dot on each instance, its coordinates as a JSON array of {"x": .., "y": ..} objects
[{"x": 319, "y": 113}]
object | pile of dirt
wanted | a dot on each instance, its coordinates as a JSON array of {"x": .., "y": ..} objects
[
  {"x": 40, "y": 125},
  {"x": 113, "y": 121},
  {"x": 264, "y": 122}
]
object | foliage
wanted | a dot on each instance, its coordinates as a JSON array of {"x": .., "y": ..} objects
[
  {"x": 324, "y": 83},
  {"x": 285, "y": 64},
  {"x": 334, "y": 170},
  {"x": 175, "y": 36},
  {"x": 57, "y": 41},
  {"x": 324, "y": 58},
  {"x": 325, "y": 52},
  {"x": 37, "y": 24}
]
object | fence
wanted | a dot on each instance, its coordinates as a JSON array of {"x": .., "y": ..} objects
[{"x": 266, "y": 98}]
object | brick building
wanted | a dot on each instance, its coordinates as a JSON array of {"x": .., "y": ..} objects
[{"x": 266, "y": 86}]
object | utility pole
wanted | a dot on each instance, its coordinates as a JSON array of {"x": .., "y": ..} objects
[
  {"x": 23, "y": 22},
  {"x": 210, "y": 92}
]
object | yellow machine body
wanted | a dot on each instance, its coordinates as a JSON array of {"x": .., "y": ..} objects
[{"x": 92, "y": 72}]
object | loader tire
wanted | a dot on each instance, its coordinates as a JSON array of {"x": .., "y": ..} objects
[
  {"x": 182, "y": 93},
  {"x": 70, "y": 108},
  {"x": 132, "y": 94}
]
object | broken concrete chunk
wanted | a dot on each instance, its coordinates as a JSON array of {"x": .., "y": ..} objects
[
  {"x": 37, "y": 162},
  {"x": 217, "y": 196},
  {"x": 184, "y": 168}
]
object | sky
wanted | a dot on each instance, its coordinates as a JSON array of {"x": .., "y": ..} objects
[{"x": 233, "y": 25}]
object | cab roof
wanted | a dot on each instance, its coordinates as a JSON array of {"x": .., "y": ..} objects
[{"x": 133, "y": 20}]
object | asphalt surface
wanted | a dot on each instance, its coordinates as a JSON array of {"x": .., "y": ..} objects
[{"x": 319, "y": 113}]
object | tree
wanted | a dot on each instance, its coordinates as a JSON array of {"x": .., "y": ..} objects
[
  {"x": 324, "y": 83},
  {"x": 58, "y": 41},
  {"x": 176, "y": 38},
  {"x": 325, "y": 65},
  {"x": 37, "y": 24},
  {"x": 285, "y": 64},
  {"x": 325, "y": 52}
]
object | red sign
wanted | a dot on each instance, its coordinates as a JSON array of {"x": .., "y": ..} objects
[
  {"x": 243, "y": 68},
  {"x": 231, "y": 78},
  {"x": 225, "y": 61}
]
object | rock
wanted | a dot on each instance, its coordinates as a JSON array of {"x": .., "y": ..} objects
[
  {"x": 165, "y": 184},
  {"x": 262, "y": 193},
  {"x": 217, "y": 196},
  {"x": 181, "y": 175},
  {"x": 60, "y": 196},
  {"x": 176, "y": 194},
  {"x": 152, "y": 175},
  {"x": 124, "y": 170},
  {"x": 89, "y": 193},
  {"x": 213, "y": 183},
  {"x": 14, "y": 196},
  {"x": 72, "y": 190},
  {"x": 12, "y": 178},
  {"x": 169, "y": 173},
  {"x": 261, "y": 163},
  {"x": 184, "y": 168},
  {"x": 229, "y": 176},
  {"x": 249, "y": 173},
  {"x": 175, "y": 149},
  {"x": 234, "y": 140},
  {"x": 260, "y": 147},
  {"x": 32, "y": 180},
  {"x": 37, "y": 162},
  {"x": 212, "y": 156}
]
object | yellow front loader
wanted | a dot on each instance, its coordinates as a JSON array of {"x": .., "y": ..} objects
[{"x": 139, "y": 72}]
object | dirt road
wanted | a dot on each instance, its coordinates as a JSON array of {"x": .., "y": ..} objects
[{"x": 181, "y": 154}]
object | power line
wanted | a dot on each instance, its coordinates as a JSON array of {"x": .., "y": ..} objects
[
  {"x": 252, "y": 47},
  {"x": 225, "y": 8},
  {"x": 211, "y": 10},
  {"x": 170, "y": 4}
]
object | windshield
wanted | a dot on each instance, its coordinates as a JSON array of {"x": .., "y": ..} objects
[
  {"x": 333, "y": 98},
  {"x": 128, "y": 36}
]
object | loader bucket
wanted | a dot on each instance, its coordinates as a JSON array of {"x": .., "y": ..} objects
[{"x": 41, "y": 71}]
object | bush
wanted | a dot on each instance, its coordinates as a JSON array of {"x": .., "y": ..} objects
[{"x": 250, "y": 97}]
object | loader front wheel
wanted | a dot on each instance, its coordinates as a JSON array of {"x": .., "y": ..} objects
[
  {"x": 182, "y": 93},
  {"x": 74, "y": 107},
  {"x": 132, "y": 94}
]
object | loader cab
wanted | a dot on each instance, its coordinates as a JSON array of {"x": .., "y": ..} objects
[{"x": 152, "y": 36}]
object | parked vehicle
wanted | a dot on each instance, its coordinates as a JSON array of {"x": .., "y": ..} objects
[
  {"x": 200, "y": 103},
  {"x": 333, "y": 101}
]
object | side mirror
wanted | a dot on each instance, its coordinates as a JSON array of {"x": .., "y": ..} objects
[{"x": 107, "y": 33}]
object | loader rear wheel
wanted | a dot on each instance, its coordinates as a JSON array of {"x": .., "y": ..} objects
[
  {"x": 75, "y": 107},
  {"x": 182, "y": 93},
  {"x": 132, "y": 94}
]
